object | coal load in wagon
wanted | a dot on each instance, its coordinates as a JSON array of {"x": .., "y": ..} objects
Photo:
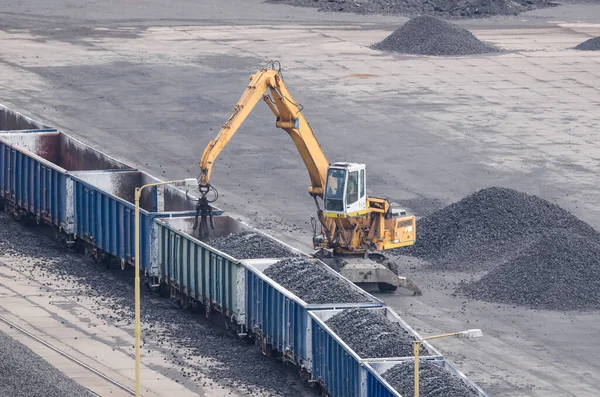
[
  {"x": 371, "y": 335},
  {"x": 589, "y": 45},
  {"x": 426, "y": 35},
  {"x": 488, "y": 228},
  {"x": 559, "y": 272},
  {"x": 312, "y": 283},
  {"x": 434, "y": 381},
  {"x": 250, "y": 245}
]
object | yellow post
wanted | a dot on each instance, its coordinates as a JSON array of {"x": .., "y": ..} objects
[
  {"x": 472, "y": 333},
  {"x": 137, "y": 331},
  {"x": 417, "y": 349}
]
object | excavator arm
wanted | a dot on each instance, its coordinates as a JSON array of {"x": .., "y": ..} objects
[{"x": 268, "y": 84}]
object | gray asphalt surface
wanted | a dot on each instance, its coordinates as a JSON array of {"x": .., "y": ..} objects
[
  {"x": 157, "y": 97},
  {"x": 25, "y": 374}
]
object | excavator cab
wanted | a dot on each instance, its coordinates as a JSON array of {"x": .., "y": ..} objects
[{"x": 345, "y": 192}]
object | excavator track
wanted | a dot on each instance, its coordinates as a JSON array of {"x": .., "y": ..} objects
[{"x": 374, "y": 269}]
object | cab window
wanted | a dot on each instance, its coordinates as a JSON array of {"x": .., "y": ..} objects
[
  {"x": 352, "y": 189},
  {"x": 334, "y": 194}
]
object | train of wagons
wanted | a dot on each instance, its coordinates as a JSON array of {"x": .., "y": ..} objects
[{"x": 86, "y": 196}]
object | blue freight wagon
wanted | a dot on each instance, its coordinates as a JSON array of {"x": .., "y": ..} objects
[
  {"x": 376, "y": 385},
  {"x": 280, "y": 320},
  {"x": 104, "y": 213},
  {"x": 35, "y": 172},
  {"x": 336, "y": 366},
  {"x": 196, "y": 273}
]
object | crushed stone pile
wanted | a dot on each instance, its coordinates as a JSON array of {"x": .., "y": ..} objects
[
  {"x": 312, "y": 283},
  {"x": 441, "y": 8},
  {"x": 559, "y": 272},
  {"x": 490, "y": 227},
  {"x": 371, "y": 335},
  {"x": 592, "y": 44},
  {"x": 250, "y": 245},
  {"x": 434, "y": 381},
  {"x": 427, "y": 35}
]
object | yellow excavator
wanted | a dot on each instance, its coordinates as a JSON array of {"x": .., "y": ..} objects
[{"x": 354, "y": 228}]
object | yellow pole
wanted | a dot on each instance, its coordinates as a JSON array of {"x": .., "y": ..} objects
[
  {"x": 417, "y": 349},
  {"x": 137, "y": 332}
]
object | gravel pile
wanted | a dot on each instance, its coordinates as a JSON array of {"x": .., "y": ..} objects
[
  {"x": 312, "y": 283},
  {"x": 488, "y": 228},
  {"x": 441, "y": 8},
  {"x": 197, "y": 349},
  {"x": 589, "y": 45},
  {"x": 559, "y": 272},
  {"x": 250, "y": 245},
  {"x": 427, "y": 35},
  {"x": 371, "y": 335},
  {"x": 434, "y": 381},
  {"x": 24, "y": 373}
]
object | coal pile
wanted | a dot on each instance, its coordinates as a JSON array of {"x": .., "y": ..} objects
[
  {"x": 250, "y": 245},
  {"x": 427, "y": 35},
  {"x": 590, "y": 45},
  {"x": 488, "y": 228},
  {"x": 441, "y": 8},
  {"x": 371, "y": 335},
  {"x": 24, "y": 373},
  {"x": 312, "y": 283},
  {"x": 559, "y": 272},
  {"x": 434, "y": 381}
]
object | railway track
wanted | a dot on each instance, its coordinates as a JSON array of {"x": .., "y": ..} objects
[{"x": 69, "y": 357}]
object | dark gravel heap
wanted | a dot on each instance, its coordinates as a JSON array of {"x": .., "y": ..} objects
[
  {"x": 589, "y": 45},
  {"x": 312, "y": 283},
  {"x": 560, "y": 272},
  {"x": 441, "y": 8},
  {"x": 250, "y": 245},
  {"x": 427, "y": 35},
  {"x": 165, "y": 327},
  {"x": 488, "y": 228},
  {"x": 371, "y": 335},
  {"x": 434, "y": 381},
  {"x": 24, "y": 373}
]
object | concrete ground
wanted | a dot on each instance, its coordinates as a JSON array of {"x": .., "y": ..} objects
[{"x": 151, "y": 83}]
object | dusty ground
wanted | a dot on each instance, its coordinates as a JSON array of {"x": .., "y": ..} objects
[{"x": 152, "y": 83}]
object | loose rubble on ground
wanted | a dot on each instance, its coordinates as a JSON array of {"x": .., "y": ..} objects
[
  {"x": 24, "y": 373},
  {"x": 592, "y": 44},
  {"x": 196, "y": 348},
  {"x": 250, "y": 245},
  {"x": 441, "y": 8},
  {"x": 312, "y": 283},
  {"x": 372, "y": 335},
  {"x": 434, "y": 381},
  {"x": 427, "y": 35},
  {"x": 537, "y": 254}
]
